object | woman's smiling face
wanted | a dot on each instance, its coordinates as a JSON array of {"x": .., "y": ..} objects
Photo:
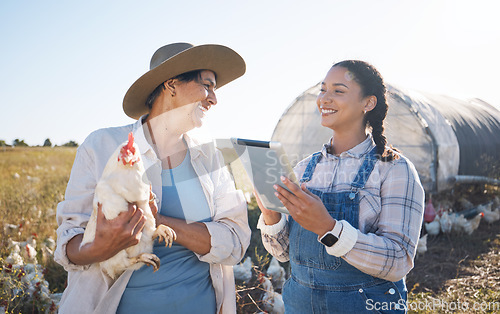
[
  {"x": 193, "y": 99},
  {"x": 341, "y": 102}
]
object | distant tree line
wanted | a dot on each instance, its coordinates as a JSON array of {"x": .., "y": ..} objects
[{"x": 20, "y": 143}]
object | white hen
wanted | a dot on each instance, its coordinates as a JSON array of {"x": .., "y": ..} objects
[
  {"x": 472, "y": 224},
  {"x": 277, "y": 273},
  {"x": 124, "y": 181},
  {"x": 458, "y": 221},
  {"x": 490, "y": 215},
  {"x": 422, "y": 245},
  {"x": 27, "y": 249},
  {"x": 271, "y": 301},
  {"x": 15, "y": 258},
  {"x": 446, "y": 222},
  {"x": 243, "y": 271},
  {"x": 433, "y": 228}
]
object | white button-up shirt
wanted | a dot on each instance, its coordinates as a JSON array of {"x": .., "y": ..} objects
[{"x": 88, "y": 290}]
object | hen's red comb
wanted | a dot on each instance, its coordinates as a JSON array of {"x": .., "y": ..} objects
[{"x": 130, "y": 141}]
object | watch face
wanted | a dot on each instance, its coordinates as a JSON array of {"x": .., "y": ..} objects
[{"x": 329, "y": 239}]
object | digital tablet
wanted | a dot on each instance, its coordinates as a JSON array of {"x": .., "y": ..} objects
[{"x": 265, "y": 162}]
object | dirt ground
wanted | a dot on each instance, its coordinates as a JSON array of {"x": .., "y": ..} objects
[
  {"x": 460, "y": 266},
  {"x": 452, "y": 260}
]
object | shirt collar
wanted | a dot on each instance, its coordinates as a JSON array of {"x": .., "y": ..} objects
[
  {"x": 357, "y": 151},
  {"x": 195, "y": 146},
  {"x": 140, "y": 139}
]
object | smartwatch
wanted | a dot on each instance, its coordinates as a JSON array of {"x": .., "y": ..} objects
[{"x": 331, "y": 237}]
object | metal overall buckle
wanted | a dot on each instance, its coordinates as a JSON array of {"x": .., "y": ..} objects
[{"x": 353, "y": 193}]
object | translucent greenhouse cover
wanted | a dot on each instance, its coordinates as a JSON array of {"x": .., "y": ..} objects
[{"x": 442, "y": 136}]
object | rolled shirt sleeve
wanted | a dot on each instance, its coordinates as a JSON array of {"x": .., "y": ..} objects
[
  {"x": 74, "y": 212},
  {"x": 275, "y": 238},
  {"x": 389, "y": 251}
]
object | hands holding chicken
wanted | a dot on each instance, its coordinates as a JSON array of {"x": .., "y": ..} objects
[
  {"x": 122, "y": 227},
  {"x": 122, "y": 232},
  {"x": 114, "y": 235},
  {"x": 306, "y": 208}
]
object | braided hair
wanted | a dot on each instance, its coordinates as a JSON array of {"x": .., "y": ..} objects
[{"x": 371, "y": 83}]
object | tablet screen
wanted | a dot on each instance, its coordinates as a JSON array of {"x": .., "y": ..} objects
[{"x": 265, "y": 162}]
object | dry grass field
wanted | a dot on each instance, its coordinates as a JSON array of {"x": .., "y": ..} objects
[
  {"x": 32, "y": 182},
  {"x": 458, "y": 273}
]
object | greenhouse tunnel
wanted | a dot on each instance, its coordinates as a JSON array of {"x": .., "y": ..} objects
[{"x": 449, "y": 140}]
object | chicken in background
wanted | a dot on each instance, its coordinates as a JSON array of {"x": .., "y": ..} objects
[
  {"x": 490, "y": 216},
  {"x": 460, "y": 224},
  {"x": 243, "y": 271},
  {"x": 26, "y": 249},
  {"x": 446, "y": 222},
  {"x": 272, "y": 302},
  {"x": 47, "y": 247},
  {"x": 433, "y": 228},
  {"x": 457, "y": 223},
  {"x": 277, "y": 273},
  {"x": 422, "y": 245},
  {"x": 15, "y": 257},
  {"x": 10, "y": 229},
  {"x": 29, "y": 253},
  {"x": 123, "y": 182},
  {"x": 470, "y": 225}
]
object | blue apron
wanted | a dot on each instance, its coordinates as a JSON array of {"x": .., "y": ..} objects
[{"x": 323, "y": 283}]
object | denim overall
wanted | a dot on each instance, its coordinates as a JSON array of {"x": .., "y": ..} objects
[{"x": 323, "y": 283}]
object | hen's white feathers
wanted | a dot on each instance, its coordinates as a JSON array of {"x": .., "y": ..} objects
[
  {"x": 243, "y": 271},
  {"x": 277, "y": 273},
  {"x": 124, "y": 181},
  {"x": 272, "y": 302},
  {"x": 422, "y": 245},
  {"x": 434, "y": 227},
  {"x": 490, "y": 215}
]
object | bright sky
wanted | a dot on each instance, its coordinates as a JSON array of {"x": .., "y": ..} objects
[{"x": 66, "y": 65}]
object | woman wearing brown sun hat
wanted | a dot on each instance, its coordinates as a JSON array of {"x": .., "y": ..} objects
[{"x": 195, "y": 194}]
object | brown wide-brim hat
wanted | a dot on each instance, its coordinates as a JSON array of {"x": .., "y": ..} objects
[{"x": 174, "y": 59}]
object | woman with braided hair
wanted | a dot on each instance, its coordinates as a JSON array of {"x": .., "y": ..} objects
[{"x": 355, "y": 219}]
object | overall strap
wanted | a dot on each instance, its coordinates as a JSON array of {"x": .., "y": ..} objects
[
  {"x": 363, "y": 173},
  {"x": 316, "y": 157}
]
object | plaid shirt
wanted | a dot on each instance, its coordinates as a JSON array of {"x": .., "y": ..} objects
[{"x": 390, "y": 213}]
